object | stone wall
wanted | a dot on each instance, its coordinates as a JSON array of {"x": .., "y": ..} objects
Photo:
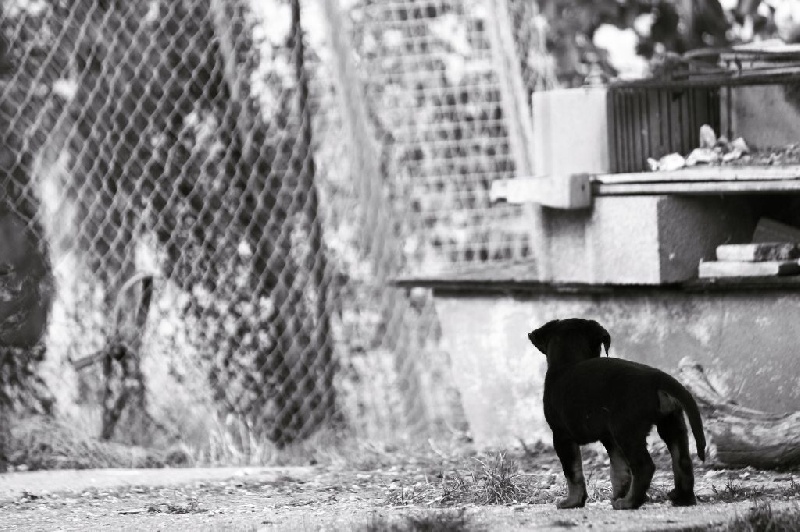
[{"x": 750, "y": 338}]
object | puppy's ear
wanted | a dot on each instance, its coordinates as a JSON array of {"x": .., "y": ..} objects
[
  {"x": 541, "y": 336},
  {"x": 606, "y": 341},
  {"x": 600, "y": 335}
]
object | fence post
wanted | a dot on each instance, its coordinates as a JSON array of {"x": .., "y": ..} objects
[
  {"x": 321, "y": 350},
  {"x": 304, "y": 398},
  {"x": 379, "y": 218},
  {"x": 518, "y": 120}
]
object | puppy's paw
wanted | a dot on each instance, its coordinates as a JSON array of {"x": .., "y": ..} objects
[
  {"x": 567, "y": 502},
  {"x": 682, "y": 498},
  {"x": 625, "y": 504}
]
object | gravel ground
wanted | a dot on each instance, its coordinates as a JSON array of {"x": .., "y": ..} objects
[{"x": 337, "y": 498}]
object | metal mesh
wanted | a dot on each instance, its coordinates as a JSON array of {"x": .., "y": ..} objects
[{"x": 219, "y": 206}]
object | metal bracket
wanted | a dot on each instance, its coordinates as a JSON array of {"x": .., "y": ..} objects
[{"x": 570, "y": 192}]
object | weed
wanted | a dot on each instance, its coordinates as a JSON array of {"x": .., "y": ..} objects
[
  {"x": 192, "y": 507},
  {"x": 564, "y": 523},
  {"x": 454, "y": 488},
  {"x": 431, "y": 521},
  {"x": 41, "y": 442},
  {"x": 732, "y": 492},
  {"x": 495, "y": 481},
  {"x": 793, "y": 490},
  {"x": 500, "y": 481},
  {"x": 762, "y": 518},
  {"x": 442, "y": 521},
  {"x": 406, "y": 496},
  {"x": 598, "y": 493}
]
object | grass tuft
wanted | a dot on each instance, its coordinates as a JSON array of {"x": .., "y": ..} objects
[
  {"x": 192, "y": 507},
  {"x": 500, "y": 481},
  {"x": 431, "y": 521},
  {"x": 762, "y": 518},
  {"x": 41, "y": 442},
  {"x": 731, "y": 492},
  {"x": 493, "y": 481},
  {"x": 793, "y": 490}
]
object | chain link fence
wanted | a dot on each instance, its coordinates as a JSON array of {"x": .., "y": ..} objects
[{"x": 215, "y": 194}]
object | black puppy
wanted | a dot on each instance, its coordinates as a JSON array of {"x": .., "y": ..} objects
[{"x": 588, "y": 398}]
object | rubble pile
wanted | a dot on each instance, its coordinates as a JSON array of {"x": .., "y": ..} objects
[{"x": 719, "y": 151}]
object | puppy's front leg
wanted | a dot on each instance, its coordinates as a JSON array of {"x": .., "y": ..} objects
[{"x": 570, "y": 455}]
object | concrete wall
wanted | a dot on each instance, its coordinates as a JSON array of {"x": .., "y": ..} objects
[
  {"x": 642, "y": 239},
  {"x": 749, "y": 338}
]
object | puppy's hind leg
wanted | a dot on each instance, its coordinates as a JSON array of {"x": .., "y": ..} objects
[
  {"x": 570, "y": 455},
  {"x": 620, "y": 472},
  {"x": 672, "y": 429},
  {"x": 632, "y": 444}
]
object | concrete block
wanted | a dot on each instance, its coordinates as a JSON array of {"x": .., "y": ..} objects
[
  {"x": 642, "y": 239},
  {"x": 765, "y": 251},
  {"x": 771, "y": 231},
  {"x": 710, "y": 270},
  {"x": 570, "y": 132}
]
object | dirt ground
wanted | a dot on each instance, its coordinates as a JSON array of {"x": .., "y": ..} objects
[{"x": 347, "y": 498}]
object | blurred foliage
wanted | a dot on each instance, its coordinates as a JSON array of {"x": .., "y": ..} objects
[
  {"x": 158, "y": 145},
  {"x": 661, "y": 28},
  {"x": 25, "y": 272},
  {"x": 670, "y": 26},
  {"x": 224, "y": 199}
]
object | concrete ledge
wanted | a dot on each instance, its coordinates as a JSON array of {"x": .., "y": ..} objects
[
  {"x": 749, "y": 338},
  {"x": 642, "y": 239},
  {"x": 495, "y": 279}
]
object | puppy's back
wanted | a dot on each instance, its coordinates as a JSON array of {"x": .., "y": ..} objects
[
  {"x": 602, "y": 391},
  {"x": 608, "y": 383}
]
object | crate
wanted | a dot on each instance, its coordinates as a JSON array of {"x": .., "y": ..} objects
[
  {"x": 650, "y": 121},
  {"x": 653, "y": 117}
]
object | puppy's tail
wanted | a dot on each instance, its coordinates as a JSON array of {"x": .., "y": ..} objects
[{"x": 675, "y": 389}]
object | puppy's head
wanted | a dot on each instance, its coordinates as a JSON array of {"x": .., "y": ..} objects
[
  {"x": 570, "y": 341},
  {"x": 540, "y": 338}
]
